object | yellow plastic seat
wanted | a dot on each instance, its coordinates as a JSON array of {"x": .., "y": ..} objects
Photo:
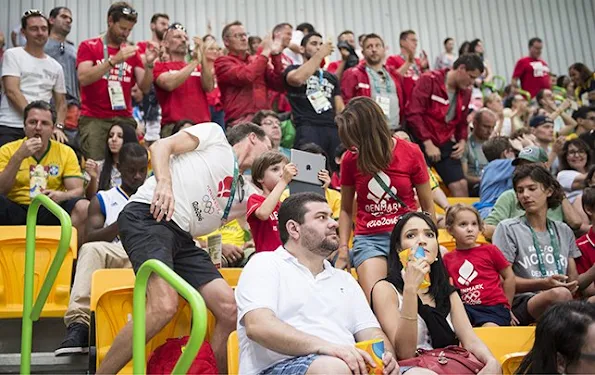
[
  {"x": 233, "y": 354},
  {"x": 463, "y": 200},
  {"x": 506, "y": 340},
  {"x": 12, "y": 269},
  {"x": 511, "y": 362},
  {"x": 448, "y": 241},
  {"x": 231, "y": 275}
]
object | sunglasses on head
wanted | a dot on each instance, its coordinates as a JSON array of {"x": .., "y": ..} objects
[
  {"x": 127, "y": 11},
  {"x": 177, "y": 26},
  {"x": 32, "y": 12}
]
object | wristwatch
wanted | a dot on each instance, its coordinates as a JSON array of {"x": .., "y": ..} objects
[{"x": 60, "y": 126}]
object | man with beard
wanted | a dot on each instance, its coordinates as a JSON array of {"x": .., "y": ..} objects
[
  {"x": 315, "y": 96},
  {"x": 375, "y": 81},
  {"x": 159, "y": 25},
  {"x": 297, "y": 314},
  {"x": 108, "y": 67}
]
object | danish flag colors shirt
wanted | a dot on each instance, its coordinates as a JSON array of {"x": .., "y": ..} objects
[
  {"x": 201, "y": 183},
  {"x": 265, "y": 233},
  {"x": 95, "y": 101},
  {"x": 377, "y": 211},
  {"x": 533, "y": 73},
  {"x": 476, "y": 272}
]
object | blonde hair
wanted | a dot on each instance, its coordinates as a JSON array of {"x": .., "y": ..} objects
[{"x": 453, "y": 211}]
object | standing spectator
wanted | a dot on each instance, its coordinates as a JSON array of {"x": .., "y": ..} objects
[
  {"x": 293, "y": 50},
  {"x": 244, "y": 79},
  {"x": 253, "y": 43},
  {"x": 212, "y": 52},
  {"x": 64, "y": 52},
  {"x": 17, "y": 37},
  {"x": 347, "y": 50},
  {"x": 584, "y": 83},
  {"x": 532, "y": 71},
  {"x": 408, "y": 66},
  {"x": 473, "y": 160},
  {"x": 374, "y": 80},
  {"x": 28, "y": 74},
  {"x": 181, "y": 87},
  {"x": 159, "y": 25},
  {"x": 108, "y": 68},
  {"x": 476, "y": 47},
  {"x": 315, "y": 96},
  {"x": 438, "y": 111},
  {"x": 446, "y": 58},
  {"x": 278, "y": 100}
]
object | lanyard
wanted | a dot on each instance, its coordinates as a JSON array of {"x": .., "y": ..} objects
[
  {"x": 320, "y": 78},
  {"x": 390, "y": 86},
  {"x": 555, "y": 247},
  {"x": 232, "y": 191},
  {"x": 105, "y": 57},
  {"x": 413, "y": 65}
]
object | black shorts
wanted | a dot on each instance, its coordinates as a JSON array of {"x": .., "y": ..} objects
[
  {"x": 10, "y": 134},
  {"x": 520, "y": 310},
  {"x": 480, "y": 315},
  {"x": 327, "y": 137},
  {"x": 449, "y": 169},
  {"x": 12, "y": 213},
  {"x": 144, "y": 238}
]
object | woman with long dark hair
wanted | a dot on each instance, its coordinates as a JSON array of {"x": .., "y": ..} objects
[
  {"x": 413, "y": 315},
  {"x": 564, "y": 341},
  {"x": 575, "y": 162},
  {"x": 584, "y": 83}
]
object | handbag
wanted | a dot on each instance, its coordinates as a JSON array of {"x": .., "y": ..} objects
[{"x": 450, "y": 360}]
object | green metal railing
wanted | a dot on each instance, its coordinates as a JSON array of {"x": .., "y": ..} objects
[
  {"x": 32, "y": 312},
  {"x": 197, "y": 305}
]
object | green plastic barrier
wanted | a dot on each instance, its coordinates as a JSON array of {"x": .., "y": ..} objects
[
  {"x": 199, "y": 316},
  {"x": 32, "y": 312}
]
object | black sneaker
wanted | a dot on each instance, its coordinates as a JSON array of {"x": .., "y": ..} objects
[{"x": 76, "y": 340}]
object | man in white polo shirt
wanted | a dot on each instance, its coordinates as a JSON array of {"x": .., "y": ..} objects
[{"x": 296, "y": 313}]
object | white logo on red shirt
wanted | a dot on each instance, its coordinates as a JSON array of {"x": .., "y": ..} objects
[
  {"x": 381, "y": 205},
  {"x": 467, "y": 273},
  {"x": 539, "y": 69}
]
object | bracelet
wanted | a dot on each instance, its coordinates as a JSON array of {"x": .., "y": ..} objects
[{"x": 408, "y": 318}]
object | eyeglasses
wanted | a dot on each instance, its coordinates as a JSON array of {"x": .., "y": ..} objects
[
  {"x": 240, "y": 188},
  {"x": 177, "y": 26},
  {"x": 61, "y": 48},
  {"x": 577, "y": 152}
]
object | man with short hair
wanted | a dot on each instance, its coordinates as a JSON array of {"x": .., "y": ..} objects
[
  {"x": 473, "y": 160},
  {"x": 347, "y": 49},
  {"x": 437, "y": 115},
  {"x": 38, "y": 165},
  {"x": 542, "y": 127},
  {"x": 309, "y": 317},
  {"x": 64, "y": 52},
  {"x": 293, "y": 50},
  {"x": 103, "y": 248},
  {"x": 244, "y": 79},
  {"x": 585, "y": 125},
  {"x": 408, "y": 66},
  {"x": 197, "y": 186},
  {"x": 181, "y": 87},
  {"x": 532, "y": 71},
  {"x": 108, "y": 68},
  {"x": 375, "y": 81},
  {"x": 159, "y": 25},
  {"x": 315, "y": 96},
  {"x": 28, "y": 74},
  {"x": 277, "y": 99}
]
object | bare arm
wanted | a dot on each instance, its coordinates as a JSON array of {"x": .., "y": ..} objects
[
  {"x": 170, "y": 81},
  {"x": 268, "y": 206},
  {"x": 13, "y": 92},
  {"x": 95, "y": 221},
  {"x": 508, "y": 284},
  {"x": 89, "y": 73},
  {"x": 530, "y": 285},
  {"x": 586, "y": 279},
  {"x": 571, "y": 217},
  {"x": 298, "y": 77},
  {"x": 346, "y": 215},
  {"x": 374, "y": 333},
  {"x": 472, "y": 179},
  {"x": 60, "y": 102},
  {"x": 8, "y": 175},
  {"x": 207, "y": 78},
  {"x": 74, "y": 187},
  {"x": 339, "y": 104}
]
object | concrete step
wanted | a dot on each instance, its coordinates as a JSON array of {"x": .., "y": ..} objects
[{"x": 45, "y": 363}]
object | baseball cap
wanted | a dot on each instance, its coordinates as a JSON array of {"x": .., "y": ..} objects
[
  {"x": 534, "y": 154},
  {"x": 540, "y": 120}
]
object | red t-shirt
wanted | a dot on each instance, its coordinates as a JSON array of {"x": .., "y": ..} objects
[
  {"x": 142, "y": 47},
  {"x": 377, "y": 211},
  {"x": 95, "y": 100},
  {"x": 265, "y": 233},
  {"x": 586, "y": 245},
  {"x": 476, "y": 272},
  {"x": 187, "y": 101},
  {"x": 411, "y": 76},
  {"x": 533, "y": 73}
]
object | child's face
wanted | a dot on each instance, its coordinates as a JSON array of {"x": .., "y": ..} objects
[
  {"x": 272, "y": 175},
  {"x": 465, "y": 229},
  {"x": 416, "y": 232}
]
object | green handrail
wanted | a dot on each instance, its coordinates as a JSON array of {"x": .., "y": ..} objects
[
  {"x": 31, "y": 313},
  {"x": 197, "y": 305}
]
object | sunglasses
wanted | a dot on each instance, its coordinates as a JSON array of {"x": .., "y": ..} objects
[
  {"x": 32, "y": 12},
  {"x": 61, "y": 48},
  {"x": 177, "y": 26},
  {"x": 127, "y": 11},
  {"x": 240, "y": 188}
]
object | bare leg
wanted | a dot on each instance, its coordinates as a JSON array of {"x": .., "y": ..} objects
[
  {"x": 459, "y": 188},
  {"x": 540, "y": 302},
  {"x": 328, "y": 365},
  {"x": 369, "y": 272},
  {"x": 162, "y": 305},
  {"x": 490, "y": 324}
]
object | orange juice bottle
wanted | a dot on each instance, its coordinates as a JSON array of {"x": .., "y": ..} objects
[{"x": 375, "y": 348}]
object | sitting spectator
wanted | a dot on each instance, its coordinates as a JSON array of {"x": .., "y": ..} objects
[
  {"x": 235, "y": 248},
  {"x": 503, "y": 123},
  {"x": 564, "y": 341},
  {"x": 446, "y": 58},
  {"x": 298, "y": 324},
  {"x": 543, "y": 129},
  {"x": 497, "y": 175},
  {"x": 585, "y": 125},
  {"x": 476, "y": 270},
  {"x": 427, "y": 318},
  {"x": 38, "y": 165},
  {"x": 575, "y": 162},
  {"x": 545, "y": 100},
  {"x": 271, "y": 172},
  {"x": 473, "y": 160},
  {"x": 517, "y": 110},
  {"x": 585, "y": 264},
  {"x": 270, "y": 122},
  {"x": 584, "y": 83},
  {"x": 103, "y": 248},
  {"x": 336, "y": 176},
  {"x": 541, "y": 250}
]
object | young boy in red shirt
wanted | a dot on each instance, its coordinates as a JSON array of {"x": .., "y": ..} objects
[
  {"x": 271, "y": 172},
  {"x": 585, "y": 265}
]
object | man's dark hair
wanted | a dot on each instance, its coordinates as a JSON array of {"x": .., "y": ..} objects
[
  {"x": 179, "y": 125},
  {"x": 447, "y": 40},
  {"x": 590, "y": 176},
  {"x": 262, "y": 114},
  {"x": 241, "y": 131},
  {"x": 156, "y": 16},
  {"x": 345, "y": 32},
  {"x": 405, "y": 34},
  {"x": 494, "y": 147},
  {"x": 305, "y": 26},
  {"x": 122, "y": 9},
  {"x": 39, "y": 104},
  {"x": 589, "y": 199},
  {"x": 360, "y": 38},
  {"x": 281, "y": 26},
  {"x": 131, "y": 151},
  {"x": 583, "y": 112},
  {"x": 372, "y": 36},
  {"x": 55, "y": 11},
  {"x": 32, "y": 14},
  {"x": 294, "y": 208},
  {"x": 229, "y": 26},
  {"x": 532, "y": 41},
  {"x": 471, "y": 62},
  {"x": 307, "y": 38},
  {"x": 540, "y": 175}
]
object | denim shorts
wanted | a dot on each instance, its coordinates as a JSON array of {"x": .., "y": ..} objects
[{"x": 366, "y": 246}]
